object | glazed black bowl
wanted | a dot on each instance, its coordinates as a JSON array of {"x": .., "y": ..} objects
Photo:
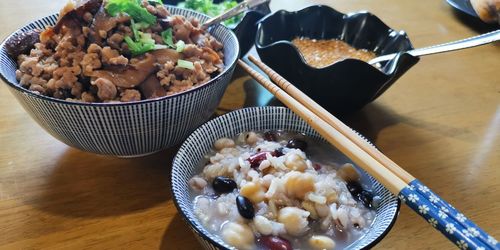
[
  {"x": 245, "y": 30},
  {"x": 344, "y": 86}
]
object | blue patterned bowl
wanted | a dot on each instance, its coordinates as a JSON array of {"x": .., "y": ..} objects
[
  {"x": 344, "y": 86},
  {"x": 187, "y": 163},
  {"x": 125, "y": 129}
]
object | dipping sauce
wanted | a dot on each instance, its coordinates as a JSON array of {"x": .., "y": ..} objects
[{"x": 321, "y": 53}]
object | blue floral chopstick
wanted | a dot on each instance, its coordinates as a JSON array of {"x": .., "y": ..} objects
[
  {"x": 447, "y": 210},
  {"x": 447, "y": 225}
]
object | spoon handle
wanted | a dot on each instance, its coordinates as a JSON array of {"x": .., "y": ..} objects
[
  {"x": 440, "y": 48},
  {"x": 241, "y": 7}
]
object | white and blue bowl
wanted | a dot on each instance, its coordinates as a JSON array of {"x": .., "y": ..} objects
[
  {"x": 124, "y": 129},
  {"x": 186, "y": 164}
]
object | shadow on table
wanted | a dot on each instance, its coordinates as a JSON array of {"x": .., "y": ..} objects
[
  {"x": 90, "y": 185},
  {"x": 178, "y": 236},
  {"x": 374, "y": 117},
  {"x": 370, "y": 120}
]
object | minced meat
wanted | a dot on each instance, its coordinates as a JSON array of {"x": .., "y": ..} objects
[{"x": 85, "y": 56}]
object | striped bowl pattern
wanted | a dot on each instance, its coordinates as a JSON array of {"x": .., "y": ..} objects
[
  {"x": 186, "y": 164},
  {"x": 125, "y": 129}
]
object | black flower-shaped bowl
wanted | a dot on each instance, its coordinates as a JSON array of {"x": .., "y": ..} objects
[
  {"x": 344, "y": 86},
  {"x": 245, "y": 29}
]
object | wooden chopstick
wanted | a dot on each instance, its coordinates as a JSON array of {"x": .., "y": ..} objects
[
  {"x": 332, "y": 120},
  {"x": 423, "y": 190},
  {"x": 393, "y": 182},
  {"x": 375, "y": 168}
]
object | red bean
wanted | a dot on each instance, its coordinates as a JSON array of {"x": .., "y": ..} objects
[
  {"x": 316, "y": 166},
  {"x": 274, "y": 243},
  {"x": 256, "y": 159}
]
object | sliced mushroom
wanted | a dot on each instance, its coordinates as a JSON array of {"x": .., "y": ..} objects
[
  {"x": 151, "y": 87},
  {"x": 164, "y": 55},
  {"x": 130, "y": 77},
  {"x": 74, "y": 17},
  {"x": 22, "y": 43},
  {"x": 102, "y": 23}
]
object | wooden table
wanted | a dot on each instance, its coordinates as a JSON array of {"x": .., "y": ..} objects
[{"x": 441, "y": 121}]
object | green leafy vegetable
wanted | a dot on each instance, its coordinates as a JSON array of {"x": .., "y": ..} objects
[
  {"x": 132, "y": 7},
  {"x": 212, "y": 9},
  {"x": 185, "y": 64},
  {"x": 167, "y": 37},
  {"x": 179, "y": 46}
]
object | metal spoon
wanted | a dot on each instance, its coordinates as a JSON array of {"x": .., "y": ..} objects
[
  {"x": 445, "y": 47},
  {"x": 241, "y": 7}
]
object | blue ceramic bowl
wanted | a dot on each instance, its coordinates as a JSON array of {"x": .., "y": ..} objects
[
  {"x": 186, "y": 164},
  {"x": 344, "y": 86},
  {"x": 245, "y": 30},
  {"x": 124, "y": 129}
]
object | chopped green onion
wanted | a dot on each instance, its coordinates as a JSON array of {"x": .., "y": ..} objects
[
  {"x": 138, "y": 48},
  {"x": 141, "y": 25},
  {"x": 134, "y": 29},
  {"x": 167, "y": 37},
  {"x": 146, "y": 38},
  {"x": 161, "y": 46},
  {"x": 185, "y": 64},
  {"x": 180, "y": 46}
]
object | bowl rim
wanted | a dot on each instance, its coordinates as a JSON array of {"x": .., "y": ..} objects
[
  {"x": 214, "y": 80},
  {"x": 201, "y": 234},
  {"x": 303, "y": 62}
]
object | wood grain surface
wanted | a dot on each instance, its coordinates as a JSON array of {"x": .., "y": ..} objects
[{"x": 440, "y": 121}]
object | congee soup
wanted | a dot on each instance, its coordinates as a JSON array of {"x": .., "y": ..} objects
[
  {"x": 321, "y": 53},
  {"x": 281, "y": 190}
]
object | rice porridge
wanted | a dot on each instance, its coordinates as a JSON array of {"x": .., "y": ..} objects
[{"x": 281, "y": 190}]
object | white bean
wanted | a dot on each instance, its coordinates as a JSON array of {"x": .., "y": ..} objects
[
  {"x": 348, "y": 172},
  {"x": 321, "y": 242},
  {"x": 263, "y": 225},
  {"x": 295, "y": 162},
  {"x": 294, "y": 219},
  {"x": 252, "y": 138},
  {"x": 322, "y": 209},
  {"x": 223, "y": 143},
  {"x": 297, "y": 184},
  {"x": 197, "y": 183},
  {"x": 238, "y": 235},
  {"x": 253, "y": 191}
]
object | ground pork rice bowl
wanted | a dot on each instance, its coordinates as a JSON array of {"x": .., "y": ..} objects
[
  {"x": 122, "y": 125},
  {"x": 117, "y": 50},
  {"x": 235, "y": 199}
]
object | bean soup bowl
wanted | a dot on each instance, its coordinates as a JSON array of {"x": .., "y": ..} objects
[{"x": 190, "y": 158}]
